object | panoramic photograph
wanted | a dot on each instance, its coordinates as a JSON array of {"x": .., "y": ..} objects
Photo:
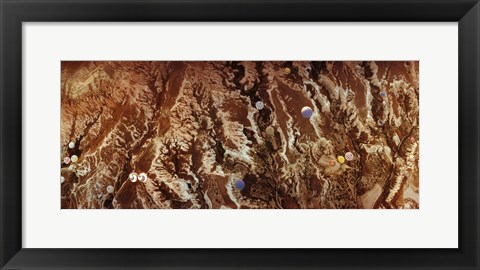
[{"x": 239, "y": 135}]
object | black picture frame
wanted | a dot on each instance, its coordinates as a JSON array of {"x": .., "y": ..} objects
[{"x": 15, "y": 12}]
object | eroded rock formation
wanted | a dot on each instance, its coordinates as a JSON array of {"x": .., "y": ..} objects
[{"x": 195, "y": 129}]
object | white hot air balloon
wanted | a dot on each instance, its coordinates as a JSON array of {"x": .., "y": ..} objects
[
  {"x": 133, "y": 177},
  {"x": 142, "y": 177}
]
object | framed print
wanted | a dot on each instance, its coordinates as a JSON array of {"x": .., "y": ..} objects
[{"x": 239, "y": 134}]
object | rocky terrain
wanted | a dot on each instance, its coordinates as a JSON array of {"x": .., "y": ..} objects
[{"x": 254, "y": 134}]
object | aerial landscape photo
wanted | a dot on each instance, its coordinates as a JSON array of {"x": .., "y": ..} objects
[{"x": 239, "y": 135}]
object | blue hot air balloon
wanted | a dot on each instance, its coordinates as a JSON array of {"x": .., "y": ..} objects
[
  {"x": 239, "y": 184},
  {"x": 307, "y": 112}
]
